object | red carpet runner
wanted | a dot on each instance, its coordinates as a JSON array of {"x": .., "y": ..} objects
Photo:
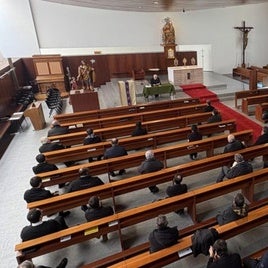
[{"x": 243, "y": 122}]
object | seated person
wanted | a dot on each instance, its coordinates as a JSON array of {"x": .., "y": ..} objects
[
  {"x": 163, "y": 236},
  {"x": 84, "y": 181},
  {"x": 195, "y": 135},
  {"x": 219, "y": 257},
  {"x": 215, "y": 117},
  {"x": 263, "y": 138},
  {"x": 209, "y": 107},
  {"x": 240, "y": 167},
  {"x": 151, "y": 164},
  {"x": 57, "y": 129},
  {"x": 115, "y": 151},
  {"x": 39, "y": 228},
  {"x": 37, "y": 193},
  {"x": 237, "y": 210},
  {"x": 233, "y": 144},
  {"x": 139, "y": 130},
  {"x": 29, "y": 264},
  {"x": 96, "y": 211},
  {"x": 177, "y": 188},
  {"x": 42, "y": 165},
  {"x": 265, "y": 116},
  {"x": 90, "y": 139},
  {"x": 155, "y": 81},
  {"x": 48, "y": 146},
  {"x": 256, "y": 263}
]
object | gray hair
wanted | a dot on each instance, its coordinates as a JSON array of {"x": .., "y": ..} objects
[
  {"x": 231, "y": 138},
  {"x": 44, "y": 140},
  {"x": 161, "y": 221},
  {"x": 149, "y": 154},
  {"x": 238, "y": 158},
  {"x": 26, "y": 264}
]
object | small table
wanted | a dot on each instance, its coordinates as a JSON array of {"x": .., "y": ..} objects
[
  {"x": 161, "y": 89},
  {"x": 16, "y": 122}
]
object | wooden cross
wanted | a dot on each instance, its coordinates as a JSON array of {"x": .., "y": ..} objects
[{"x": 245, "y": 30}]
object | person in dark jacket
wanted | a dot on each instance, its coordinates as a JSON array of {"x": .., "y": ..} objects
[
  {"x": 139, "y": 130},
  {"x": 240, "y": 167},
  {"x": 37, "y": 193},
  {"x": 48, "y": 146},
  {"x": 195, "y": 135},
  {"x": 151, "y": 164},
  {"x": 96, "y": 211},
  {"x": 177, "y": 188},
  {"x": 236, "y": 211},
  {"x": 163, "y": 236},
  {"x": 56, "y": 129},
  {"x": 233, "y": 144},
  {"x": 84, "y": 181},
  {"x": 256, "y": 263},
  {"x": 215, "y": 117},
  {"x": 209, "y": 107},
  {"x": 263, "y": 138},
  {"x": 219, "y": 257},
  {"x": 38, "y": 228},
  {"x": 115, "y": 151},
  {"x": 90, "y": 139},
  {"x": 42, "y": 165}
]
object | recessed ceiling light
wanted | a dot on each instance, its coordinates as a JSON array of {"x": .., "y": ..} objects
[{"x": 155, "y": 2}]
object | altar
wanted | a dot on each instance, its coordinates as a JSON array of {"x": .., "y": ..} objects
[
  {"x": 184, "y": 75},
  {"x": 161, "y": 89}
]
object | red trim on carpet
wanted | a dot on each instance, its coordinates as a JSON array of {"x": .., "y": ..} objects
[{"x": 242, "y": 122}]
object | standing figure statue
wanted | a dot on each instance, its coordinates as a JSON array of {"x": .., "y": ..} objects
[
  {"x": 168, "y": 33},
  {"x": 84, "y": 75}
]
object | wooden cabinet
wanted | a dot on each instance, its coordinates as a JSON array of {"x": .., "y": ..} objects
[
  {"x": 49, "y": 70},
  {"x": 35, "y": 113},
  {"x": 84, "y": 100}
]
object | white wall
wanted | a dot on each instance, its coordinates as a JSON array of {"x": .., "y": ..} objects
[
  {"x": 17, "y": 31},
  {"x": 73, "y": 30}
]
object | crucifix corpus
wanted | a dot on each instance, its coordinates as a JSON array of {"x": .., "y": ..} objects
[{"x": 245, "y": 30}]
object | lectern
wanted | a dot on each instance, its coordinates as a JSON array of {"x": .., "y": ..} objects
[
  {"x": 35, "y": 112},
  {"x": 84, "y": 100}
]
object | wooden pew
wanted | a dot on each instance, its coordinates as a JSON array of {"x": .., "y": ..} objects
[
  {"x": 152, "y": 140},
  {"x": 133, "y": 216},
  {"x": 253, "y": 101},
  {"x": 134, "y": 160},
  {"x": 249, "y": 93},
  {"x": 71, "y": 200},
  {"x": 122, "y": 110},
  {"x": 79, "y": 125},
  {"x": 259, "y": 110},
  {"x": 169, "y": 255},
  {"x": 126, "y": 129}
]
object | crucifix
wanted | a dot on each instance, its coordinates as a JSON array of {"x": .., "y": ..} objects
[{"x": 245, "y": 30}]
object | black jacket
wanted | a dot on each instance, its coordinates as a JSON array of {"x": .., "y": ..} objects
[
  {"x": 44, "y": 167},
  {"x": 47, "y": 227},
  {"x": 163, "y": 238},
  {"x": 227, "y": 261},
  {"x": 138, "y": 131},
  {"x": 176, "y": 189},
  {"x": 262, "y": 139},
  {"x": 150, "y": 165},
  {"x": 84, "y": 182},
  {"x": 202, "y": 240},
  {"x": 240, "y": 169},
  {"x": 91, "y": 139},
  {"x": 36, "y": 194},
  {"x": 97, "y": 213},
  {"x": 50, "y": 146},
  {"x": 233, "y": 146},
  {"x": 115, "y": 151},
  {"x": 57, "y": 130}
]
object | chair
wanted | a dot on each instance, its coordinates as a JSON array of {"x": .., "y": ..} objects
[{"x": 138, "y": 74}]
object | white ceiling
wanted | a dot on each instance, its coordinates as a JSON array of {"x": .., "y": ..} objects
[{"x": 157, "y": 5}]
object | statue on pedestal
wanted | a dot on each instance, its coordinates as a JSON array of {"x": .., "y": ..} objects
[
  {"x": 84, "y": 75},
  {"x": 168, "y": 33}
]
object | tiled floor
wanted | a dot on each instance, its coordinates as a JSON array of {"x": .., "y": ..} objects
[{"x": 16, "y": 170}]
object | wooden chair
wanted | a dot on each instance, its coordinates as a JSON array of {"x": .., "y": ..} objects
[{"x": 138, "y": 74}]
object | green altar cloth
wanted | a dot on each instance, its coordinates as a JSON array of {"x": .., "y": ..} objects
[{"x": 161, "y": 89}]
